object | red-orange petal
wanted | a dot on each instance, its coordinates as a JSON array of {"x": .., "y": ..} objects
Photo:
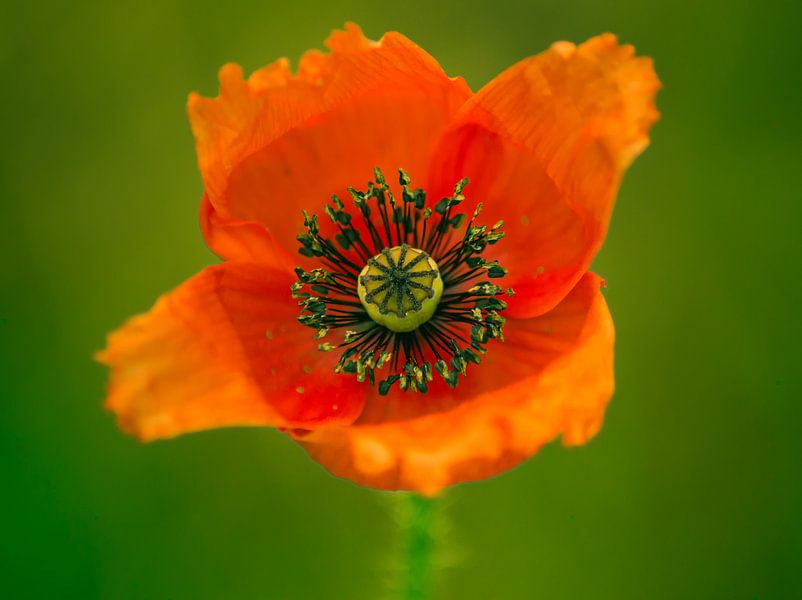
[
  {"x": 278, "y": 143},
  {"x": 553, "y": 375},
  {"x": 222, "y": 349},
  {"x": 244, "y": 240},
  {"x": 545, "y": 145}
]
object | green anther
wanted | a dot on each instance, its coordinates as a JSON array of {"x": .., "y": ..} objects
[{"x": 400, "y": 288}]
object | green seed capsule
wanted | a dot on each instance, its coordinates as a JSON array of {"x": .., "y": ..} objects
[{"x": 400, "y": 288}]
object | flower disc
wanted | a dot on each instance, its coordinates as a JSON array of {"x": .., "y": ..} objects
[{"x": 400, "y": 288}]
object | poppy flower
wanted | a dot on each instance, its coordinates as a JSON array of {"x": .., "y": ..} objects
[{"x": 404, "y": 287}]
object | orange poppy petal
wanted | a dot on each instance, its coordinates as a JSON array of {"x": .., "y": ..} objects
[
  {"x": 224, "y": 348},
  {"x": 278, "y": 143},
  {"x": 545, "y": 145},
  {"x": 242, "y": 240},
  {"x": 553, "y": 375}
]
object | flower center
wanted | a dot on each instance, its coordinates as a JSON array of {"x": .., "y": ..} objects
[
  {"x": 408, "y": 293},
  {"x": 400, "y": 288}
]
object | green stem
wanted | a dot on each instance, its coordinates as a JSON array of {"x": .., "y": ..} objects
[{"x": 419, "y": 546}]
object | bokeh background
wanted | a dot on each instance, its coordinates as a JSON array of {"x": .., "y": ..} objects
[{"x": 692, "y": 489}]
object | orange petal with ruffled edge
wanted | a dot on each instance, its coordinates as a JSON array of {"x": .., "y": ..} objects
[
  {"x": 553, "y": 376},
  {"x": 545, "y": 145},
  {"x": 278, "y": 143},
  {"x": 224, "y": 348}
]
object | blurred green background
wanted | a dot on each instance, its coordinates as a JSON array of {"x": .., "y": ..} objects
[{"x": 692, "y": 489}]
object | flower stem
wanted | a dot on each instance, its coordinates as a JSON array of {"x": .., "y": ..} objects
[{"x": 419, "y": 546}]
